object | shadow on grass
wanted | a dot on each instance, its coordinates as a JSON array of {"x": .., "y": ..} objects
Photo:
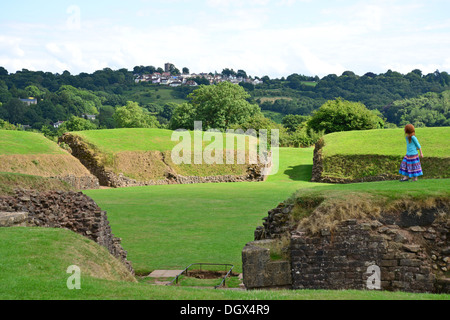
[{"x": 299, "y": 173}]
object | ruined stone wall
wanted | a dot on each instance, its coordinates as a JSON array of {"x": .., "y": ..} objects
[
  {"x": 108, "y": 178},
  {"x": 81, "y": 183},
  {"x": 70, "y": 210},
  {"x": 411, "y": 252}
]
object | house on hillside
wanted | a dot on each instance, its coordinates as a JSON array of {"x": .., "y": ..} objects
[
  {"x": 89, "y": 116},
  {"x": 56, "y": 125},
  {"x": 175, "y": 83},
  {"x": 191, "y": 83},
  {"x": 29, "y": 101}
]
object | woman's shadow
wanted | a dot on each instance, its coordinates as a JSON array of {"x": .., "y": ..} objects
[{"x": 299, "y": 173}]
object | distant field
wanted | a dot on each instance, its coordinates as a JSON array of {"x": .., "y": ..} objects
[
  {"x": 274, "y": 116},
  {"x": 273, "y": 99},
  {"x": 152, "y": 94}
]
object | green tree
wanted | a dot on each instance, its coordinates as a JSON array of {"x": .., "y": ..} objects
[
  {"x": 133, "y": 116},
  {"x": 78, "y": 101},
  {"x": 222, "y": 105},
  {"x": 76, "y": 124},
  {"x": 105, "y": 118},
  {"x": 291, "y": 122},
  {"x": 341, "y": 115},
  {"x": 183, "y": 117},
  {"x": 5, "y": 125},
  {"x": 34, "y": 91}
]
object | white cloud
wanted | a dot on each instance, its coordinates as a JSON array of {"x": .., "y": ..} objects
[{"x": 362, "y": 37}]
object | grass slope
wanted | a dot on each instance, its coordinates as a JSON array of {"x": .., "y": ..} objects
[
  {"x": 33, "y": 154},
  {"x": 22, "y": 142}
]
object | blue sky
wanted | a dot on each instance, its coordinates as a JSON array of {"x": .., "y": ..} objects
[{"x": 263, "y": 37}]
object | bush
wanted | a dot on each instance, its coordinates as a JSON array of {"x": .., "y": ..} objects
[
  {"x": 341, "y": 115},
  {"x": 301, "y": 138}
]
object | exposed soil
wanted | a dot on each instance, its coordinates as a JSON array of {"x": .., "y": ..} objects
[{"x": 44, "y": 165}]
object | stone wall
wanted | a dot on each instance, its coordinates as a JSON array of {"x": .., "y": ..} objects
[
  {"x": 411, "y": 251},
  {"x": 70, "y": 210},
  {"x": 318, "y": 168},
  {"x": 270, "y": 273},
  {"x": 254, "y": 174},
  {"x": 80, "y": 183}
]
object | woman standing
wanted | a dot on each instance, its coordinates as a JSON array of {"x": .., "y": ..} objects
[{"x": 410, "y": 166}]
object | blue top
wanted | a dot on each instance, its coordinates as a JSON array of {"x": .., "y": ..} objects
[{"x": 411, "y": 148}]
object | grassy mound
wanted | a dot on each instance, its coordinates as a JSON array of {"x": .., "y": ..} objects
[
  {"x": 323, "y": 207},
  {"x": 357, "y": 156},
  {"x": 33, "y": 154},
  {"x": 145, "y": 154},
  {"x": 32, "y": 253}
]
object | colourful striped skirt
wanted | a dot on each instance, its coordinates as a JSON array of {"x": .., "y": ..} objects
[{"x": 411, "y": 167}]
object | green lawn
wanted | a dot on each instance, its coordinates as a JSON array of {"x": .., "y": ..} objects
[
  {"x": 116, "y": 140},
  {"x": 172, "y": 226},
  {"x": 22, "y": 142}
]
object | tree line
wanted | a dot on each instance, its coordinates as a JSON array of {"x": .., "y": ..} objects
[
  {"x": 388, "y": 100},
  {"x": 413, "y": 97}
]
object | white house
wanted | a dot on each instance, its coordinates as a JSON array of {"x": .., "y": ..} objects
[{"x": 56, "y": 125}]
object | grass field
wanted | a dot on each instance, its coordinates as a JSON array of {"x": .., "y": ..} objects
[
  {"x": 184, "y": 224},
  {"x": 172, "y": 226}
]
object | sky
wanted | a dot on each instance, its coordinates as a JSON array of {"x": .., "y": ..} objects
[{"x": 263, "y": 37}]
